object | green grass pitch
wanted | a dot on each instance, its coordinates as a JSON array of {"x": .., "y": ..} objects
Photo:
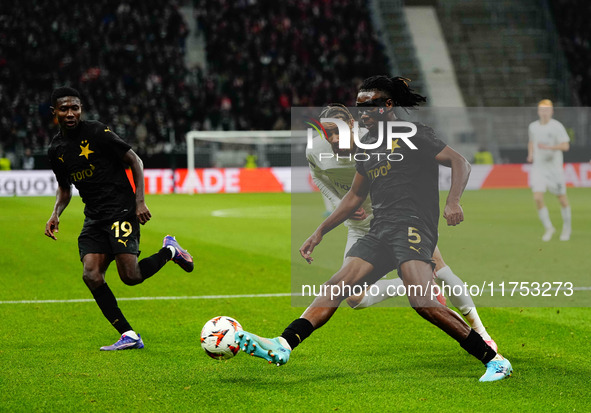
[{"x": 379, "y": 359}]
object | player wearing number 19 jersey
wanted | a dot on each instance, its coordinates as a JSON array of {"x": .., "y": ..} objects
[{"x": 88, "y": 155}]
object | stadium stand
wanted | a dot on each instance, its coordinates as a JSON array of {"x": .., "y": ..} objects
[
  {"x": 572, "y": 22},
  {"x": 295, "y": 54},
  {"x": 127, "y": 60},
  {"x": 506, "y": 52}
]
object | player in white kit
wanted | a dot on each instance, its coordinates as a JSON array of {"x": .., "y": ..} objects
[
  {"x": 547, "y": 140},
  {"x": 333, "y": 175}
]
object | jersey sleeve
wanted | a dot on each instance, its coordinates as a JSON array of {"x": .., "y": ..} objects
[
  {"x": 427, "y": 141},
  {"x": 327, "y": 190},
  {"x": 59, "y": 171},
  {"x": 112, "y": 141},
  {"x": 561, "y": 133},
  {"x": 359, "y": 167}
]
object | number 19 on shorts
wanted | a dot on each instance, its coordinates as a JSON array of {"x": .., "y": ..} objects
[{"x": 122, "y": 227}]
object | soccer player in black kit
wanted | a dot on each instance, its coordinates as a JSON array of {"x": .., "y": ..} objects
[
  {"x": 90, "y": 156},
  {"x": 403, "y": 183}
]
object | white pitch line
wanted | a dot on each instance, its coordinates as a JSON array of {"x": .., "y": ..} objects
[
  {"x": 186, "y": 297},
  {"x": 194, "y": 297}
]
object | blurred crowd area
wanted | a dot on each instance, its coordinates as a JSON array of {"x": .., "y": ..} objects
[
  {"x": 127, "y": 60},
  {"x": 572, "y": 22},
  {"x": 270, "y": 55},
  {"x": 263, "y": 57}
]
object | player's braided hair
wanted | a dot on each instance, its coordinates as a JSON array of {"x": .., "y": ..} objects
[
  {"x": 396, "y": 88},
  {"x": 336, "y": 110}
]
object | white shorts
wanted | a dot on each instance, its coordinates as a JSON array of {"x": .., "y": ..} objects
[{"x": 552, "y": 180}]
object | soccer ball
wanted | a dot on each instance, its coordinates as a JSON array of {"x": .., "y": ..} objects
[{"x": 217, "y": 337}]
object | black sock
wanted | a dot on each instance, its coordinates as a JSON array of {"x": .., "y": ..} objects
[
  {"x": 297, "y": 331},
  {"x": 108, "y": 304},
  {"x": 152, "y": 264},
  {"x": 475, "y": 345}
]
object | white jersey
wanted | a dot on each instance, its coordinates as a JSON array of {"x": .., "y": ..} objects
[
  {"x": 334, "y": 177},
  {"x": 552, "y": 133}
]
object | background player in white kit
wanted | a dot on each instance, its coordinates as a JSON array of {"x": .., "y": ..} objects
[
  {"x": 547, "y": 140},
  {"x": 334, "y": 177}
]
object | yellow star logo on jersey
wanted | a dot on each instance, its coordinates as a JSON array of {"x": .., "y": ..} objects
[
  {"x": 395, "y": 145},
  {"x": 85, "y": 149}
]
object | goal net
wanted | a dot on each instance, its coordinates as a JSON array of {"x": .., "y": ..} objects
[{"x": 240, "y": 149}]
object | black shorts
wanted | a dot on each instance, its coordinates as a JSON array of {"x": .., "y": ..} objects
[
  {"x": 112, "y": 237},
  {"x": 386, "y": 246}
]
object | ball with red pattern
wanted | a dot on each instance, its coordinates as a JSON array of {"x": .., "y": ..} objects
[{"x": 217, "y": 337}]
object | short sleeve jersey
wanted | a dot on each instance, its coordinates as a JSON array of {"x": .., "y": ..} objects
[
  {"x": 552, "y": 133},
  {"x": 405, "y": 188},
  {"x": 90, "y": 158}
]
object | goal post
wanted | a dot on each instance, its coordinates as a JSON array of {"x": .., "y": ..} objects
[{"x": 261, "y": 140}]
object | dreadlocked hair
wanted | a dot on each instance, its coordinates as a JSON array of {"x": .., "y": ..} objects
[
  {"x": 336, "y": 110},
  {"x": 396, "y": 88}
]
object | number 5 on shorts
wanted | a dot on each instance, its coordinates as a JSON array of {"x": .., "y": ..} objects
[{"x": 413, "y": 235}]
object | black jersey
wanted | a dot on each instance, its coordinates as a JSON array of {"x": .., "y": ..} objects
[
  {"x": 406, "y": 187},
  {"x": 90, "y": 158}
]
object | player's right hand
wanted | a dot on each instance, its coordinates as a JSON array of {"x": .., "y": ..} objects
[
  {"x": 52, "y": 227},
  {"x": 308, "y": 246},
  {"x": 358, "y": 215},
  {"x": 142, "y": 212},
  {"x": 453, "y": 214}
]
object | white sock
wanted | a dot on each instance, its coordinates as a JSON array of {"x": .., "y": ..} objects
[
  {"x": 462, "y": 301},
  {"x": 380, "y": 291},
  {"x": 173, "y": 250},
  {"x": 566, "y": 218},
  {"x": 545, "y": 217},
  {"x": 132, "y": 334}
]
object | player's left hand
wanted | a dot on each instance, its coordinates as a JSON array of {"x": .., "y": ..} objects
[
  {"x": 142, "y": 212},
  {"x": 453, "y": 214}
]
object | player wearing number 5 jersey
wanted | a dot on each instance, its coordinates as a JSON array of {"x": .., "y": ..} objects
[
  {"x": 403, "y": 234},
  {"x": 88, "y": 155},
  {"x": 333, "y": 177}
]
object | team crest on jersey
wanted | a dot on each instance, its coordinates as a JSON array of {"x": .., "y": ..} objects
[
  {"x": 381, "y": 110},
  {"x": 85, "y": 150}
]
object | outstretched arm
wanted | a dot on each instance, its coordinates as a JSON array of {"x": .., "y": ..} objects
[
  {"x": 562, "y": 146},
  {"x": 62, "y": 199},
  {"x": 530, "y": 152},
  {"x": 137, "y": 170},
  {"x": 460, "y": 172},
  {"x": 349, "y": 204}
]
